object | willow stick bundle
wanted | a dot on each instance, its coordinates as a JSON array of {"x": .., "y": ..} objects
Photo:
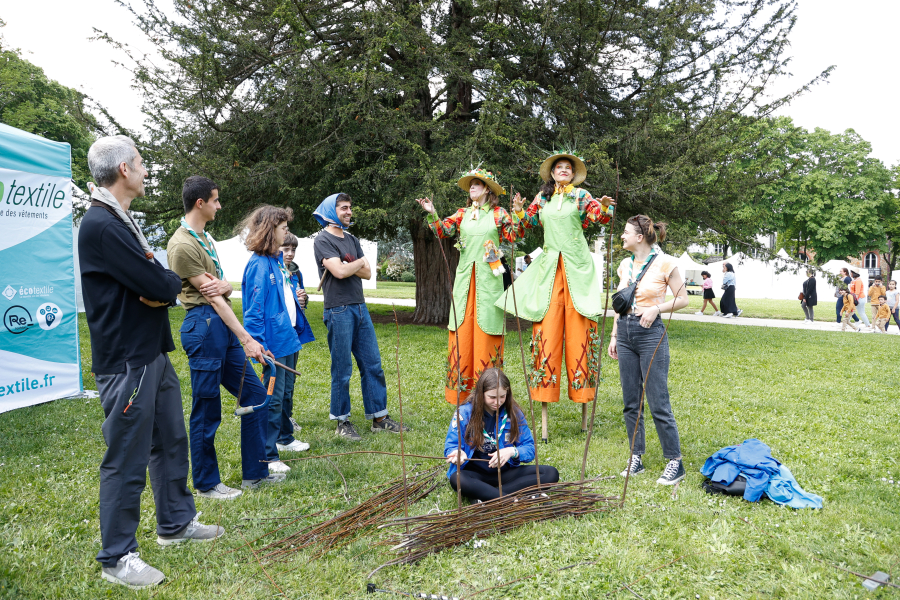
[{"x": 343, "y": 529}]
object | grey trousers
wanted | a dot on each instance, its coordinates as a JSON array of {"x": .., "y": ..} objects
[
  {"x": 635, "y": 346},
  {"x": 144, "y": 426}
]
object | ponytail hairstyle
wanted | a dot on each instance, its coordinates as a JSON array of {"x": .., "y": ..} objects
[
  {"x": 652, "y": 232},
  {"x": 491, "y": 379}
]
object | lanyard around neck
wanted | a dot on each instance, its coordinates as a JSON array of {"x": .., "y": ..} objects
[
  {"x": 490, "y": 437},
  {"x": 210, "y": 250}
]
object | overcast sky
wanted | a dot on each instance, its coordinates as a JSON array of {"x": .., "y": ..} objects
[{"x": 859, "y": 38}]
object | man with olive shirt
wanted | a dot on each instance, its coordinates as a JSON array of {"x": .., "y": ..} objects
[{"x": 211, "y": 336}]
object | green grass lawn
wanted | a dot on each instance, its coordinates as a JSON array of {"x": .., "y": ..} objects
[
  {"x": 765, "y": 308},
  {"x": 825, "y": 402}
]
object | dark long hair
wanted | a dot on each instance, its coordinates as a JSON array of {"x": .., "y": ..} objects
[
  {"x": 729, "y": 267},
  {"x": 491, "y": 379}
]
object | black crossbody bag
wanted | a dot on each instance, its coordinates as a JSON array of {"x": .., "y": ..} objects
[{"x": 623, "y": 299}]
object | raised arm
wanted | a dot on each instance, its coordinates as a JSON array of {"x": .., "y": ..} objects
[
  {"x": 530, "y": 217},
  {"x": 509, "y": 227},
  {"x": 448, "y": 227},
  {"x": 594, "y": 211}
]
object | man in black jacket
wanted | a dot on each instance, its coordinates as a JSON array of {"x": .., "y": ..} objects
[{"x": 126, "y": 292}]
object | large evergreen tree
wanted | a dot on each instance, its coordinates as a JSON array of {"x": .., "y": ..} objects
[{"x": 287, "y": 101}]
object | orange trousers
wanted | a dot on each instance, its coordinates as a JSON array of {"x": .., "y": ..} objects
[
  {"x": 563, "y": 323},
  {"x": 477, "y": 352}
]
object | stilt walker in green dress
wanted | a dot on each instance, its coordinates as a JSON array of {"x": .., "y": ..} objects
[
  {"x": 560, "y": 290},
  {"x": 478, "y": 324}
]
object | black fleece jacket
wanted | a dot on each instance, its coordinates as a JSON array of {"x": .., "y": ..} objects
[{"x": 114, "y": 275}]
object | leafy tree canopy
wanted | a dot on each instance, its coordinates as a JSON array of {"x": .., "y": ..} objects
[
  {"x": 33, "y": 103},
  {"x": 288, "y": 101}
]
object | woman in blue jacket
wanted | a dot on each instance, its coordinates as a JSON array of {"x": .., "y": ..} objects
[
  {"x": 506, "y": 443},
  {"x": 272, "y": 313}
]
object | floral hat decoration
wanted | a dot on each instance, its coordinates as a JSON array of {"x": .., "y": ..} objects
[
  {"x": 484, "y": 175},
  {"x": 580, "y": 170}
]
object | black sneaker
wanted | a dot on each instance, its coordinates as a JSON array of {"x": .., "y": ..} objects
[
  {"x": 672, "y": 474},
  {"x": 387, "y": 424},
  {"x": 345, "y": 429},
  {"x": 635, "y": 466}
]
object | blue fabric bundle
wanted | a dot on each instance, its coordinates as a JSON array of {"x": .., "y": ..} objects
[{"x": 764, "y": 475}]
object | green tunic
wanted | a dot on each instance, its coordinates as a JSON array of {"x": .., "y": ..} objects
[
  {"x": 563, "y": 235},
  {"x": 488, "y": 287}
]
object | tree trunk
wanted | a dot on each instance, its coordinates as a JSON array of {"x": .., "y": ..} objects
[{"x": 433, "y": 289}]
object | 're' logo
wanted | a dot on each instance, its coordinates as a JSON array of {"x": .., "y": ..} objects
[
  {"x": 48, "y": 316},
  {"x": 9, "y": 292},
  {"x": 17, "y": 320}
]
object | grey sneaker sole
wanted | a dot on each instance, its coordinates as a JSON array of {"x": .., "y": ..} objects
[
  {"x": 218, "y": 496},
  {"x": 172, "y": 541},
  {"x": 118, "y": 581}
]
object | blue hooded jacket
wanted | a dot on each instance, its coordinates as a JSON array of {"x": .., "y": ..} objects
[
  {"x": 525, "y": 443},
  {"x": 265, "y": 313}
]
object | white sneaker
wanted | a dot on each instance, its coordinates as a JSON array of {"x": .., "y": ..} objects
[
  {"x": 740, "y": 310},
  {"x": 278, "y": 467},
  {"x": 295, "y": 446},
  {"x": 699, "y": 313},
  {"x": 718, "y": 313},
  {"x": 132, "y": 572},
  {"x": 195, "y": 531},
  {"x": 220, "y": 492},
  {"x": 729, "y": 315}
]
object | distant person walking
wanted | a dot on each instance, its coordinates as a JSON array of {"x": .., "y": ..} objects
[
  {"x": 728, "y": 306},
  {"x": 709, "y": 296},
  {"x": 839, "y": 304},
  {"x": 809, "y": 299},
  {"x": 848, "y": 310},
  {"x": 858, "y": 289},
  {"x": 876, "y": 291},
  {"x": 892, "y": 296}
]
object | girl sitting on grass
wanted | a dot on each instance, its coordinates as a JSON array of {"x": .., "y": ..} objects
[{"x": 492, "y": 428}]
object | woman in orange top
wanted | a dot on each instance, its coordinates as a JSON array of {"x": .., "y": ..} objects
[
  {"x": 636, "y": 338},
  {"x": 858, "y": 289}
]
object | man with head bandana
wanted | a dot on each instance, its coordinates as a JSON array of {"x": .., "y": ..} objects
[{"x": 342, "y": 267}]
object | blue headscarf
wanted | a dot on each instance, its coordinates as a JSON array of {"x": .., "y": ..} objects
[{"x": 326, "y": 213}]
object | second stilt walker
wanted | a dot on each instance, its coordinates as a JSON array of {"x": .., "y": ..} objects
[
  {"x": 560, "y": 290},
  {"x": 478, "y": 326}
]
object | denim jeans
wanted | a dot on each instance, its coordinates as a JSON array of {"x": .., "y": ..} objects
[
  {"x": 350, "y": 330},
  {"x": 861, "y": 309},
  {"x": 635, "y": 346},
  {"x": 286, "y": 436},
  {"x": 216, "y": 358},
  {"x": 276, "y": 405}
]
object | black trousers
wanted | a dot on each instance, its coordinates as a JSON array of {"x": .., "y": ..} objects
[
  {"x": 480, "y": 485},
  {"x": 144, "y": 426}
]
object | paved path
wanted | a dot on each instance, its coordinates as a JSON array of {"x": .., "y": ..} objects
[{"x": 708, "y": 318}]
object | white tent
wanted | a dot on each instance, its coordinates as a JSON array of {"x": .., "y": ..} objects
[
  {"x": 690, "y": 272},
  {"x": 760, "y": 279},
  {"x": 233, "y": 255}
]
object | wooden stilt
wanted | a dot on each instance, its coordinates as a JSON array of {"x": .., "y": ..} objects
[
  {"x": 584, "y": 417},
  {"x": 544, "y": 436}
]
